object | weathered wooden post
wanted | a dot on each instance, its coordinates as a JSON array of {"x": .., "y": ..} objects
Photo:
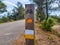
[{"x": 29, "y": 24}]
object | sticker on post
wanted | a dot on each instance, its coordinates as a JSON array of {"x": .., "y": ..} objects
[
  {"x": 29, "y": 34},
  {"x": 29, "y": 20}
]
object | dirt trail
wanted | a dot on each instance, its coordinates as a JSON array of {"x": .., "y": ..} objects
[
  {"x": 46, "y": 38},
  {"x": 41, "y": 38},
  {"x": 56, "y": 28}
]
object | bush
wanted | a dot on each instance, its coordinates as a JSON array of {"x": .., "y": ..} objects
[{"x": 47, "y": 24}]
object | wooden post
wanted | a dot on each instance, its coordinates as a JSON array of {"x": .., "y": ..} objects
[{"x": 29, "y": 24}]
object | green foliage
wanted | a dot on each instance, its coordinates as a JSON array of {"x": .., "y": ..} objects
[
  {"x": 56, "y": 18},
  {"x": 50, "y": 37},
  {"x": 41, "y": 8},
  {"x": 21, "y": 10},
  {"x": 3, "y": 19},
  {"x": 17, "y": 14},
  {"x": 40, "y": 15},
  {"x": 2, "y": 7},
  {"x": 47, "y": 24}
]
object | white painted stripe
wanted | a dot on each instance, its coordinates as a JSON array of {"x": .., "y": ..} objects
[{"x": 29, "y": 32}]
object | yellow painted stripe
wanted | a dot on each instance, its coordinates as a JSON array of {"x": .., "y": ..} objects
[{"x": 29, "y": 36}]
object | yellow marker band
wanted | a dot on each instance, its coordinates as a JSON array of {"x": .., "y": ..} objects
[{"x": 29, "y": 36}]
